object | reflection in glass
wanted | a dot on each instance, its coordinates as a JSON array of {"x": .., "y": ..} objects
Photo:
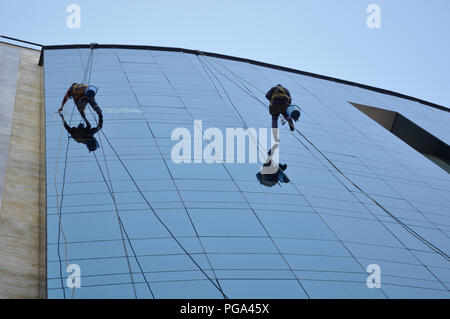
[
  {"x": 84, "y": 134},
  {"x": 311, "y": 238},
  {"x": 272, "y": 172}
]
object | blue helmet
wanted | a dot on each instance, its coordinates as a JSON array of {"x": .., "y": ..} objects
[
  {"x": 90, "y": 91},
  {"x": 294, "y": 112}
]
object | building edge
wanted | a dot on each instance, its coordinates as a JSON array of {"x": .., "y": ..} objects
[
  {"x": 23, "y": 266},
  {"x": 239, "y": 59}
]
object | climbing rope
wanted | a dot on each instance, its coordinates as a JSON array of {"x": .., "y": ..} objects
[
  {"x": 242, "y": 192},
  {"x": 59, "y": 204},
  {"x": 347, "y": 189},
  {"x": 406, "y": 227},
  {"x": 87, "y": 80},
  {"x": 121, "y": 225},
  {"x": 216, "y": 285}
]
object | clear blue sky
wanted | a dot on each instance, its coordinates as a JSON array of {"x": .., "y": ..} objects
[{"x": 409, "y": 54}]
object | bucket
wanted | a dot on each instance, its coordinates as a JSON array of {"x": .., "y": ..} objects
[
  {"x": 91, "y": 91},
  {"x": 294, "y": 112}
]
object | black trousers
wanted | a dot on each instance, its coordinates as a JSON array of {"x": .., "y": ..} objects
[
  {"x": 275, "y": 119},
  {"x": 81, "y": 106}
]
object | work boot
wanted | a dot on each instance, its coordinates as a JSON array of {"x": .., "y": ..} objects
[{"x": 282, "y": 177}]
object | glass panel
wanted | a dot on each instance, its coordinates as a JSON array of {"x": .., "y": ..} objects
[{"x": 140, "y": 225}]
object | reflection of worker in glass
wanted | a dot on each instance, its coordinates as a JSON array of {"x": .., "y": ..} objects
[
  {"x": 271, "y": 172},
  {"x": 84, "y": 134}
]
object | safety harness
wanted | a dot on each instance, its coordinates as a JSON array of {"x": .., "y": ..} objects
[
  {"x": 78, "y": 90},
  {"x": 280, "y": 96}
]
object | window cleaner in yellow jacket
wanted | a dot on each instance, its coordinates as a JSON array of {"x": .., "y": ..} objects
[
  {"x": 82, "y": 94},
  {"x": 280, "y": 102}
]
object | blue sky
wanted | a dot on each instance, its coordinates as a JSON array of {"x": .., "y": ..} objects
[{"x": 409, "y": 54}]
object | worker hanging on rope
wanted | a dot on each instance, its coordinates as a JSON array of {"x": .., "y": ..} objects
[
  {"x": 84, "y": 134},
  {"x": 280, "y": 103},
  {"x": 82, "y": 94}
]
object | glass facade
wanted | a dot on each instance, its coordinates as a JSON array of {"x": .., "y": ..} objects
[{"x": 141, "y": 226}]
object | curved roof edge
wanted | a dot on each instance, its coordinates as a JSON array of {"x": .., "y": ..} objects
[{"x": 228, "y": 57}]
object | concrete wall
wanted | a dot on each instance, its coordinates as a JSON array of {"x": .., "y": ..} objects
[
  {"x": 9, "y": 71},
  {"x": 22, "y": 175}
]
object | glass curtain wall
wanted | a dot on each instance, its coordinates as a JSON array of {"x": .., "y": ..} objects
[{"x": 139, "y": 225}]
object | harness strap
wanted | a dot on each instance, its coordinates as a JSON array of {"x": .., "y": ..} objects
[{"x": 279, "y": 92}]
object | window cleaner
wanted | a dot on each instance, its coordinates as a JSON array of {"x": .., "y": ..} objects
[
  {"x": 280, "y": 100},
  {"x": 82, "y": 94}
]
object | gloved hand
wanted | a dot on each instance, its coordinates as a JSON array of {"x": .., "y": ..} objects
[{"x": 291, "y": 127}]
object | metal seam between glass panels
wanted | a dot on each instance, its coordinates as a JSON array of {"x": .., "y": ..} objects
[
  {"x": 301, "y": 194},
  {"x": 321, "y": 205},
  {"x": 345, "y": 185},
  {"x": 151, "y": 132}
]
